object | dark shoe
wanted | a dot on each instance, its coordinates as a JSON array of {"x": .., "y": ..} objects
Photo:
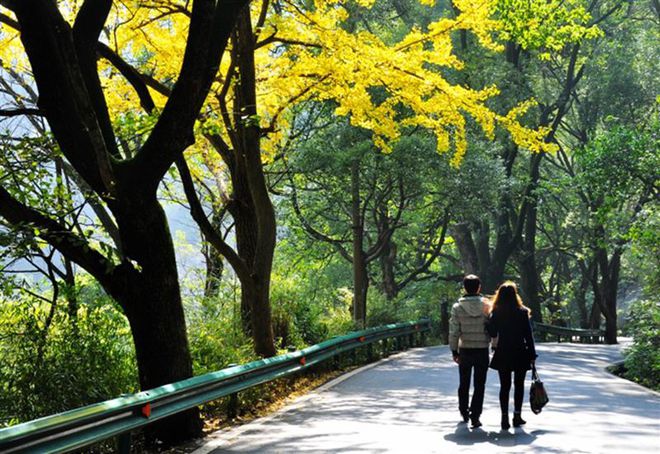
[
  {"x": 465, "y": 415},
  {"x": 475, "y": 423},
  {"x": 505, "y": 422},
  {"x": 517, "y": 420}
]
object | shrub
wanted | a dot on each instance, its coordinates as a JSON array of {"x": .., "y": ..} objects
[
  {"x": 642, "y": 361},
  {"x": 76, "y": 362},
  {"x": 296, "y": 316},
  {"x": 216, "y": 342}
]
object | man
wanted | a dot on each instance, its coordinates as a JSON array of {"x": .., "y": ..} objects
[{"x": 469, "y": 340}]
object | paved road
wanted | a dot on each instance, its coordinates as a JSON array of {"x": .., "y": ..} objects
[{"x": 408, "y": 402}]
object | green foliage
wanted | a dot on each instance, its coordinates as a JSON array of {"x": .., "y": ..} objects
[
  {"x": 215, "y": 343},
  {"x": 421, "y": 300},
  {"x": 297, "y": 321},
  {"x": 618, "y": 172},
  {"x": 643, "y": 357},
  {"x": 78, "y": 361},
  {"x": 214, "y": 332},
  {"x": 645, "y": 248}
]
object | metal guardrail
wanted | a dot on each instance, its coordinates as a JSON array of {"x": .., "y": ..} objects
[
  {"x": 592, "y": 336},
  {"x": 84, "y": 426}
]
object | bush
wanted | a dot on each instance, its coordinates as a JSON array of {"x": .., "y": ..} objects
[
  {"x": 296, "y": 319},
  {"x": 78, "y": 361},
  {"x": 216, "y": 341},
  {"x": 642, "y": 361}
]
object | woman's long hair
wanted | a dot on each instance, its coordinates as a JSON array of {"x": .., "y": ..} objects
[{"x": 507, "y": 299}]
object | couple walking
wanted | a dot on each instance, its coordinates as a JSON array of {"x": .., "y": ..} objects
[{"x": 474, "y": 325}]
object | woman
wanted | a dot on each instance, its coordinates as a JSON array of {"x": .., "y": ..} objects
[{"x": 514, "y": 350}]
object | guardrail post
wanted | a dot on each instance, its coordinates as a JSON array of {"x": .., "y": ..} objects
[
  {"x": 370, "y": 352},
  {"x": 232, "y": 405},
  {"x": 124, "y": 443},
  {"x": 423, "y": 340},
  {"x": 386, "y": 352},
  {"x": 354, "y": 356}
]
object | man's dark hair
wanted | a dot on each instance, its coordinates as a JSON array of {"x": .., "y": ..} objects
[{"x": 471, "y": 283}]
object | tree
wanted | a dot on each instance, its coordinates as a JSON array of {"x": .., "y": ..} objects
[
  {"x": 537, "y": 33},
  {"x": 614, "y": 175},
  {"x": 293, "y": 53},
  {"x": 368, "y": 206},
  {"x": 142, "y": 278},
  {"x": 614, "y": 100}
]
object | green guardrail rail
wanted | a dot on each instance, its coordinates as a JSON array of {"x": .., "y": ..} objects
[
  {"x": 544, "y": 331},
  {"x": 74, "y": 429}
]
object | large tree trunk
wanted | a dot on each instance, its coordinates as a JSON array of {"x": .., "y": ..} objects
[
  {"x": 528, "y": 268},
  {"x": 246, "y": 228},
  {"x": 162, "y": 353},
  {"x": 151, "y": 300},
  {"x": 466, "y": 248},
  {"x": 387, "y": 260},
  {"x": 259, "y": 230},
  {"x": 63, "y": 61},
  {"x": 609, "y": 286},
  {"x": 360, "y": 275}
]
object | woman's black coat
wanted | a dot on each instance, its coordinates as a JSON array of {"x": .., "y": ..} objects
[{"x": 515, "y": 344}]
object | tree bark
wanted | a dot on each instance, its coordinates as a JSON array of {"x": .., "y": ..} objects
[
  {"x": 360, "y": 274},
  {"x": 151, "y": 300},
  {"x": 529, "y": 274},
  {"x": 608, "y": 287},
  {"x": 215, "y": 265},
  {"x": 387, "y": 261},
  {"x": 260, "y": 229},
  {"x": 246, "y": 227},
  {"x": 466, "y": 248}
]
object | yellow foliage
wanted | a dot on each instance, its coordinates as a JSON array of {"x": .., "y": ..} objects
[{"x": 382, "y": 87}]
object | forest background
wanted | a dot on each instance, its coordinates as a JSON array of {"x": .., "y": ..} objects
[{"x": 351, "y": 162}]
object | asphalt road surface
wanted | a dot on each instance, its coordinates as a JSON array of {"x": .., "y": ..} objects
[{"x": 408, "y": 404}]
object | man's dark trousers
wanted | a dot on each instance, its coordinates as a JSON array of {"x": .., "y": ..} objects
[{"x": 469, "y": 359}]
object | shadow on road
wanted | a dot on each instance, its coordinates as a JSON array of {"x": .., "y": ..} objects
[{"x": 465, "y": 436}]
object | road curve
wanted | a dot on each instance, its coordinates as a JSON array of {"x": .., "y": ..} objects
[{"x": 407, "y": 404}]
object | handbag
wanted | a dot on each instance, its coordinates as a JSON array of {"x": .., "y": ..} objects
[{"x": 538, "y": 396}]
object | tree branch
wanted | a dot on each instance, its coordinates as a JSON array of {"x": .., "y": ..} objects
[
  {"x": 307, "y": 226},
  {"x": 434, "y": 254},
  {"x": 130, "y": 74},
  {"x": 63, "y": 92},
  {"x": 210, "y": 28},
  {"x": 57, "y": 235},
  {"x": 18, "y": 112},
  {"x": 210, "y": 233}
]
